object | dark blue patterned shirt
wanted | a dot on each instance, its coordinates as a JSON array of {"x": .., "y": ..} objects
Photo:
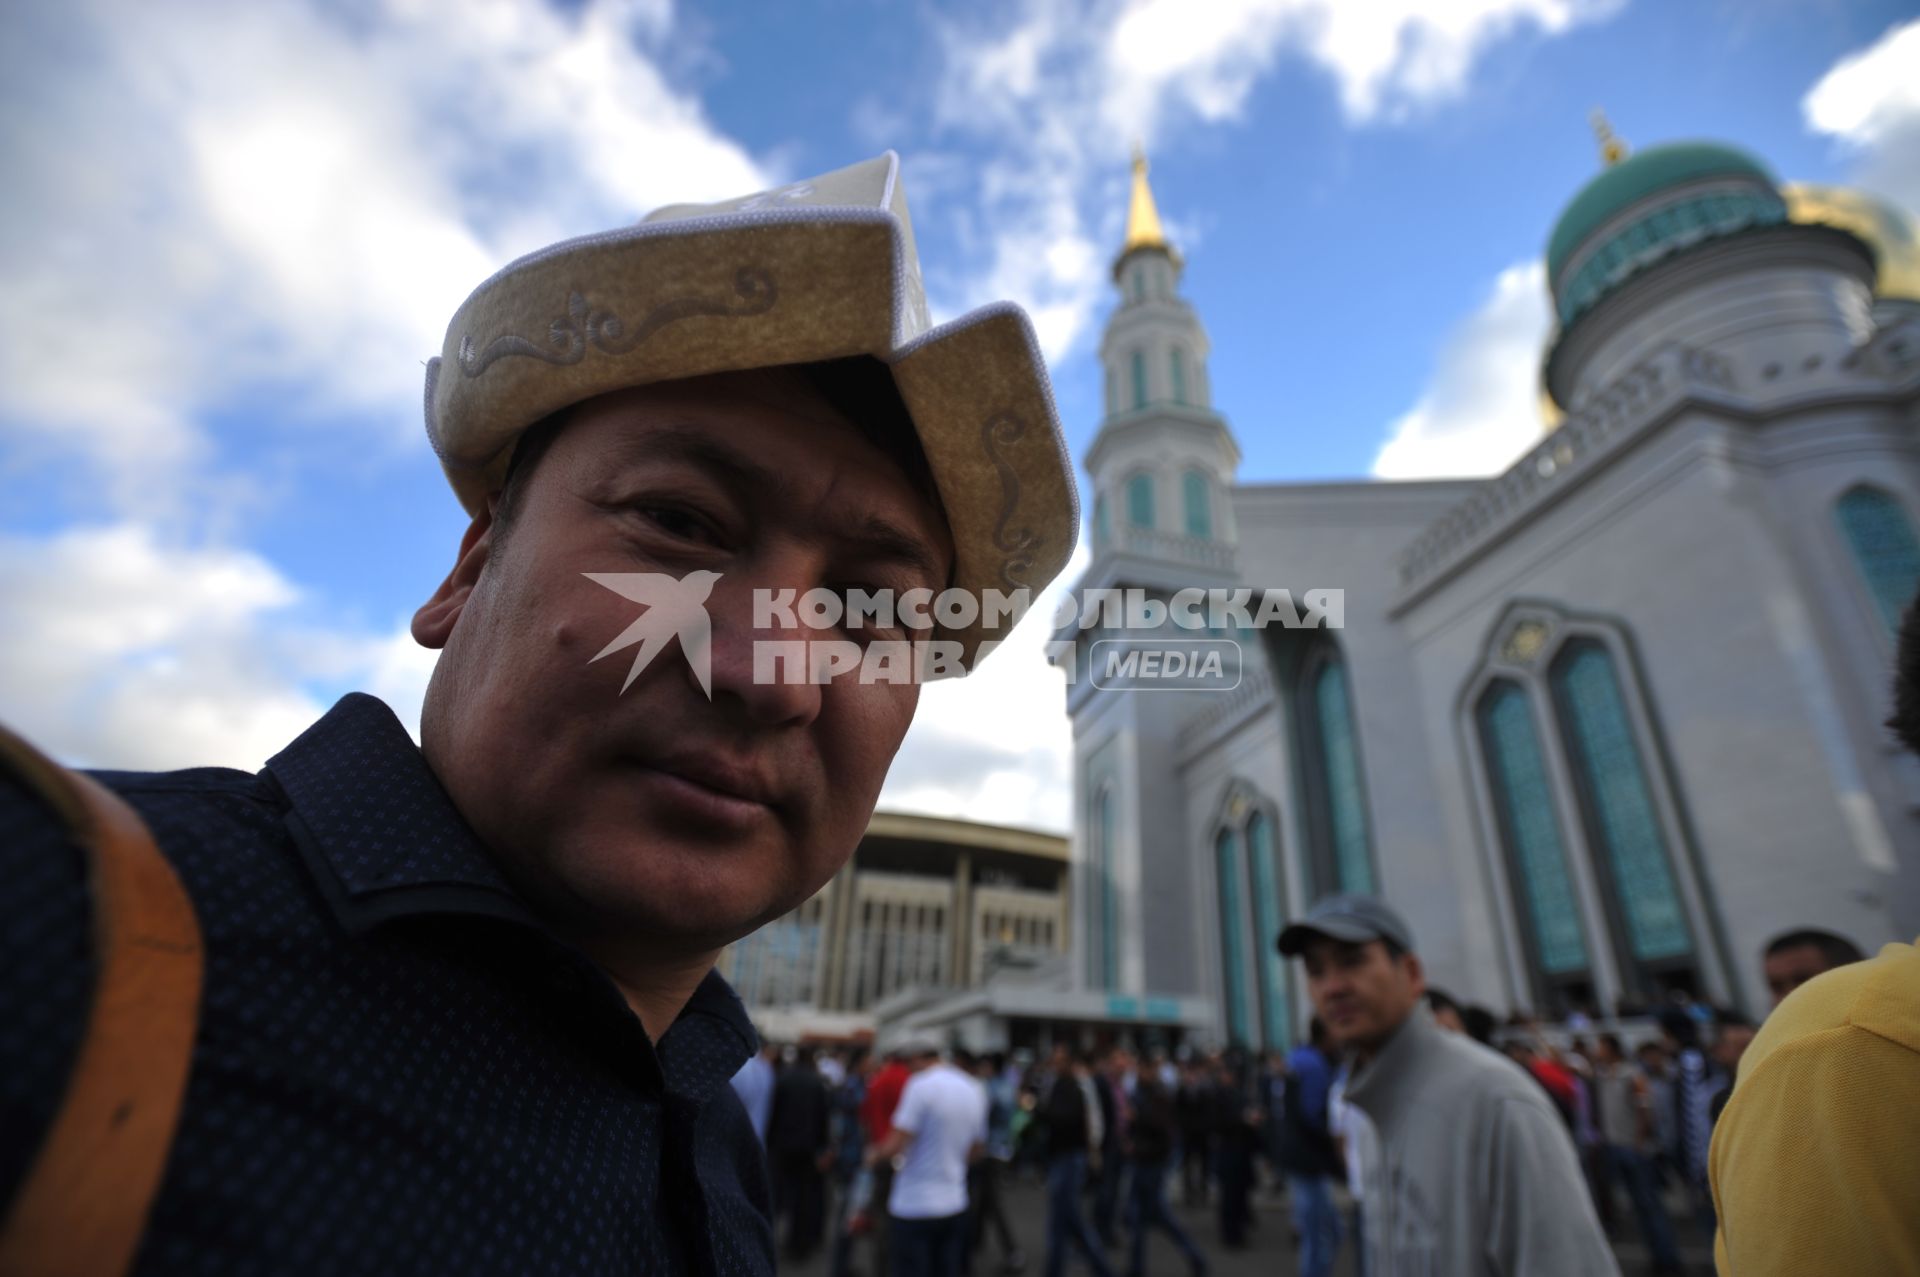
[{"x": 398, "y": 1069}]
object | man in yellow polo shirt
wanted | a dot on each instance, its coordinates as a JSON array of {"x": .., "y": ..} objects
[{"x": 1815, "y": 1164}]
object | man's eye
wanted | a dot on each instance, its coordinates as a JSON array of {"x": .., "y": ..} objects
[
  {"x": 871, "y": 626},
  {"x": 679, "y": 522}
]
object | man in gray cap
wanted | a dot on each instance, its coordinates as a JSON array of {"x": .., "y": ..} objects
[{"x": 1476, "y": 1173}]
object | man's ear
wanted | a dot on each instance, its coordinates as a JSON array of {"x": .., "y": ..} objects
[
  {"x": 433, "y": 623},
  {"x": 1416, "y": 973}
]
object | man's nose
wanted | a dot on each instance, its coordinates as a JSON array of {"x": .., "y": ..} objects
[
  {"x": 760, "y": 660},
  {"x": 1330, "y": 984}
]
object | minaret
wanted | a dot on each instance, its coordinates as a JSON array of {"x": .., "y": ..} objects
[
  {"x": 1163, "y": 462},
  {"x": 1162, "y": 467}
]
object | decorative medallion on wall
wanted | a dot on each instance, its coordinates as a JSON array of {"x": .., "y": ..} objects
[{"x": 1525, "y": 641}]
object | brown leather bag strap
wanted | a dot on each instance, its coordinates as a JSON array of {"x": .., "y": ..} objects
[{"x": 84, "y": 1203}]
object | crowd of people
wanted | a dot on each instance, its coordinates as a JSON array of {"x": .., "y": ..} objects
[
  {"x": 893, "y": 1160},
  {"x": 1112, "y": 1134}
]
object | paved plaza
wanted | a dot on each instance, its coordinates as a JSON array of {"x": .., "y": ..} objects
[{"x": 1269, "y": 1253}]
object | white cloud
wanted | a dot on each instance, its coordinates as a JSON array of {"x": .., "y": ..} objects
[
  {"x": 1388, "y": 58},
  {"x": 1481, "y": 408},
  {"x": 996, "y": 745},
  {"x": 123, "y": 650},
  {"x": 1061, "y": 89},
  {"x": 1870, "y": 100},
  {"x": 209, "y": 200}
]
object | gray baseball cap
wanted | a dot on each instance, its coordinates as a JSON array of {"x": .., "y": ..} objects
[{"x": 1354, "y": 919}]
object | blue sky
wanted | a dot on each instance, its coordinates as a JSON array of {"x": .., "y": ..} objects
[{"x": 233, "y": 234}]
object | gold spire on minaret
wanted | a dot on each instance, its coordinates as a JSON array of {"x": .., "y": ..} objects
[
  {"x": 1612, "y": 148},
  {"x": 1143, "y": 218}
]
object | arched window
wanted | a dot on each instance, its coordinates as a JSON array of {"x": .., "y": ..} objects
[
  {"x": 1139, "y": 282},
  {"x": 1139, "y": 379},
  {"x": 1198, "y": 499},
  {"x": 1267, "y": 914},
  {"x": 1102, "y": 532},
  {"x": 1884, "y": 548},
  {"x": 1622, "y": 824},
  {"x": 1340, "y": 856},
  {"x": 1233, "y": 947},
  {"x": 1140, "y": 501},
  {"x": 1530, "y": 832},
  {"x": 1179, "y": 375},
  {"x": 1104, "y": 951},
  {"x": 1113, "y": 391}
]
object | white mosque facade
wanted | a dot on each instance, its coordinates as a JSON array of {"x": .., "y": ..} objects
[{"x": 1598, "y": 725}]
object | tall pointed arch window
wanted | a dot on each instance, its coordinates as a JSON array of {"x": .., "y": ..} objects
[
  {"x": 1529, "y": 825},
  {"x": 1233, "y": 941},
  {"x": 1630, "y": 852},
  {"x": 1178, "y": 367},
  {"x": 1340, "y": 855},
  {"x": 1197, "y": 495},
  {"x": 1139, "y": 362},
  {"x": 1113, "y": 391},
  {"x": 1885, "y": 551},
  {"x": 1102, "y": 527},
  {"x": 1268, "y": 910},
  {"x": 1140, "y": 500}
]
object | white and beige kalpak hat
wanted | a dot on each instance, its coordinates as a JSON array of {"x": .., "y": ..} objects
[{"x": 818, "y": 270}]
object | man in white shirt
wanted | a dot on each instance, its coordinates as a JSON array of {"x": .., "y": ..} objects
[
  {"x": 939, "y": 1129},
  {"x": 1360, "y": 1147}
]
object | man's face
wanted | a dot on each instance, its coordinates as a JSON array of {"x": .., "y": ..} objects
[
  {"x": 655, "y": 818},
  {"x": 1731, "y": 1044},
  {"x": 1788, "y": 969},
  {"x": 1360, "y": 991}
]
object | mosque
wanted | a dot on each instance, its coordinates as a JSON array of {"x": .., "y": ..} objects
[{"x": 1599, "y": 725}]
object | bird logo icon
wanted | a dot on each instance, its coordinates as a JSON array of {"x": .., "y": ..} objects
[{"x": 676, "y": 608}]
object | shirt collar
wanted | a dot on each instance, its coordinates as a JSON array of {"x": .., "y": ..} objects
[
  {"x": 380, "y": 836},
  {"x": 384, "y": 841},
  {"x": 699, "y": 1065},
  {"x": 1373, "y": 1085}
]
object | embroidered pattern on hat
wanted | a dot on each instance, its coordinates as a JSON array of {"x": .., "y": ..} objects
[
  {"x": 1018, "y": 545},
  {"x": 569, "y": 336}
]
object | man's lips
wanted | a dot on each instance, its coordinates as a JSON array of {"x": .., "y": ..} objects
[{"x": 732, "y": 780}]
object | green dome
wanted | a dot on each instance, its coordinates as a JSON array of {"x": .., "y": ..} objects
[{"x": 1639, "y": 175}]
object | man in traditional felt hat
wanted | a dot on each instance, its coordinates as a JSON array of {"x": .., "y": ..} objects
[{"x": 460, "y": 1010}]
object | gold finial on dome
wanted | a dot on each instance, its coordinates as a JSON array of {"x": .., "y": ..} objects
[
  {"x": 1143, "y": 218},
  {"x": 1612, "y": 148}
]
